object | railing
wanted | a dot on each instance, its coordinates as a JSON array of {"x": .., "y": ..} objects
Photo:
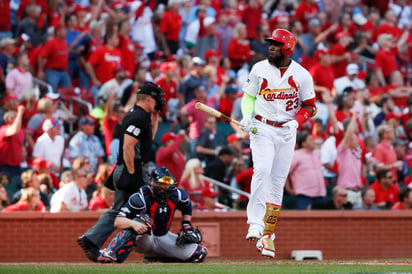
[{"x": 222, "y": 185}]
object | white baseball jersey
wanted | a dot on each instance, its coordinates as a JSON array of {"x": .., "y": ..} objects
[{"x": 278, "y": 98}]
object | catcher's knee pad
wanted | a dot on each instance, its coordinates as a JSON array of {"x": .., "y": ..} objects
[{"x": 199, "y": 255}]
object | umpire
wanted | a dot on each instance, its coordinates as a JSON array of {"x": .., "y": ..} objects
[{"x": 138, "y": 129}]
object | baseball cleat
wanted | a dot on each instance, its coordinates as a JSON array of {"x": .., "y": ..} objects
[
  {"x": 90, "y": 249},
  {"x": 253, "y": 234},
  {"x": 266, "y": 246},
  {"x": 107, "y": 257}
]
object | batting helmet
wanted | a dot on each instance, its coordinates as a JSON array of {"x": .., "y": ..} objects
[
  {"x": 285, "y": 37},
  {"x": 161, "y": 177}
]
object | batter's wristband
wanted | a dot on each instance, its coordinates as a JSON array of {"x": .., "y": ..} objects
[
  {"x": 302, "y": 116},
  {"x": 186, "y": 225}
]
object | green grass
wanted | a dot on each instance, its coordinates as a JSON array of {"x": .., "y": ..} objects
[{"x": 269, "y": 267}]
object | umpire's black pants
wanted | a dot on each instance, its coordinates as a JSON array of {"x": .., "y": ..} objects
[{"x": 99, "y": 233}]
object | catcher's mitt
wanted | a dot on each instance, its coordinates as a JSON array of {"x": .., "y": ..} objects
[
  {"x": 145, "y": 219},
  {"x": 188, "y": 235}
]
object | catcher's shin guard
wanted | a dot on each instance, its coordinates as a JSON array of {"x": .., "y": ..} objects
[
  {"x": 119, "y": 248},
  {"x": 199, "y": 255}
]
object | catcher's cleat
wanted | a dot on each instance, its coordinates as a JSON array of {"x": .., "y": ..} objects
[
  {"x": 253, "y": 234},
  {"x": 107, "y": 257},
  {"x": 90, "y": 249},
  {"x": 266, "y": 246}
]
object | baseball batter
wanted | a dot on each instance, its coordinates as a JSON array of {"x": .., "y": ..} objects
[{"x": 278, "y": 98}]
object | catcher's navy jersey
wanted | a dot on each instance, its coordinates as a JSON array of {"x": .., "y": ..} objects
[{"x": 160, "y": 211}]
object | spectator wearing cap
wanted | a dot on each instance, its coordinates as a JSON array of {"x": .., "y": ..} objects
[
  {"x": 85, "y": 143},
  {"x": 227, "y": 101},
  {"x": 306, "y": 11},
  {"x": 170, "y": 26},
  {"x": 235, "y": 143},
  {"x": 54, "y": 59},
  {"x": 169, "y": 85},
  {"x": 224, "y": 29},
  {"x": 153, "y": 71},
  {"x": 34, "y": 25},
  {"x": 214, "y": 58},
  {"x": 385, "y": 60},
  {"x": 340, "y": 54},
  {"x": 186, "y": 88},
  {"x": 259, "y": 45},
  {"x": 7, "y": 55},
  {"x": 45, "y": 109},
  {"x": 8, "y": 102},
  {"x": 305, "y": 180},
  {"x": 170, "y": 155},
  {"x": 239, "y": 47},
  {"x": 384, "y": 152},
  {"x": 217, "y": 169},
  {"x": 386, "y": 189},
  {"x": 50, "y": 145},
  {"x": 103, "y": 62},
  {"x": 127, "y": 47},
  {"x": 397, "y": 89},
  {"x": 19, "y": 79},
  {"x": 11, "y": 142},
  {"x": 350, "y": 79},
  {"x": 209, "y": 201},
  {"x": 405, "y": 199}
]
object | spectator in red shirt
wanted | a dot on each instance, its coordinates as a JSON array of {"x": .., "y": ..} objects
[
  {"x": 102, "y": 199},
  {"x": 29, "y": 201},
  {"x": 170, "y": 26},
  {"x": 5, "y": 19},
  {"x": 127, "y": 47},
  {"x": 11, "y": 142},
  {"x": 307, "y": 9},
  {"x": 239, "y": 47},
  {"x": 169, "y": 85},
  {"x": 252, "y": 18},
  {"x": 386, "y": 191},
  {"x": 405, "y": 199},
  {"x": 7, "y": 102},
  {"x": 213, "y": 58},
  {"x": 340, "y": 54},
  {"x": 385, "y": 59},
  {"x": 227, "y": 101},
  {"x": 398, "y": 90},
  {"x": 104, "y": 61},
  {"x": 384, "y": 152},
  {"x": 170, "y": 156},
  {"x": 389, "y": 25},
  {"x": 53, "y": 64}
]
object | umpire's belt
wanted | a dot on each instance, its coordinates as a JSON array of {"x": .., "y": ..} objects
[{"x": 268, "y": 122}]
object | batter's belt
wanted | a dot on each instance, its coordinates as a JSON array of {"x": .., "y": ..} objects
[{"x": 268, "y": 122}]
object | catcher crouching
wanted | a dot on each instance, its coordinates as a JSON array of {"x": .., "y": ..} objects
[{"x": 145, "y": 221}]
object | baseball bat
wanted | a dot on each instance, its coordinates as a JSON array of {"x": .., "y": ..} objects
[{"x": 215, "y": 113}]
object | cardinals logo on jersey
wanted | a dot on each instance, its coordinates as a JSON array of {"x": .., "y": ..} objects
[
  {"x": 292, "y": 83},
  {"x": 279, "y": 93}
]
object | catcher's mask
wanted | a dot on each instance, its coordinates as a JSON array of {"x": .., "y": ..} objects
[{"x": 163, "y": 183}]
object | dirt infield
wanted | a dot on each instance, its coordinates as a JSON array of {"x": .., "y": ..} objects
[{"x": 260, "y": 262}]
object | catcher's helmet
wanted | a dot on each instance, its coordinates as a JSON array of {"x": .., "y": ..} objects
[
  {"x": 163, "y": 182},
  {"x": 286, "y": 37}
]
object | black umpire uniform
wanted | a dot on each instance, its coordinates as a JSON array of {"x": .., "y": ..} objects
[{"x": 137, "y": 124}]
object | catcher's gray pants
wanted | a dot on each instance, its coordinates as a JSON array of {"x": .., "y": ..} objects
[{"x": 164, "y": 246}]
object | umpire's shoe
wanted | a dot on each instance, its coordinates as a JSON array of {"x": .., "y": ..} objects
[
  {"x": 91, "y": 251},
  {"x": 266, "y": 246}
]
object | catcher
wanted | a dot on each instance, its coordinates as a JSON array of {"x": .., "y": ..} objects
[{"x": 145, "y": 221}]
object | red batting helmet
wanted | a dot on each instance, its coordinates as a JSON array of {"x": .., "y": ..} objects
[{"x": 286, "y": 37}]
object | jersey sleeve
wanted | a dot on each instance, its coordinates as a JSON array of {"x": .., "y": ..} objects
[
  {"x": 184, "y": 204},
  {"x": 308, "y": 91},
  {"x": 251, "y": 86},
  {"x": 134, "y": 127}
]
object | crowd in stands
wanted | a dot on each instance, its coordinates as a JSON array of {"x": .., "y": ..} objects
[{"x": 55, "y": 153}]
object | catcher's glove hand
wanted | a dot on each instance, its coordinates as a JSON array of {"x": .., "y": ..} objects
[
  {"x": 188, "y": 235},
  {"x": 146, "y": 220}
]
